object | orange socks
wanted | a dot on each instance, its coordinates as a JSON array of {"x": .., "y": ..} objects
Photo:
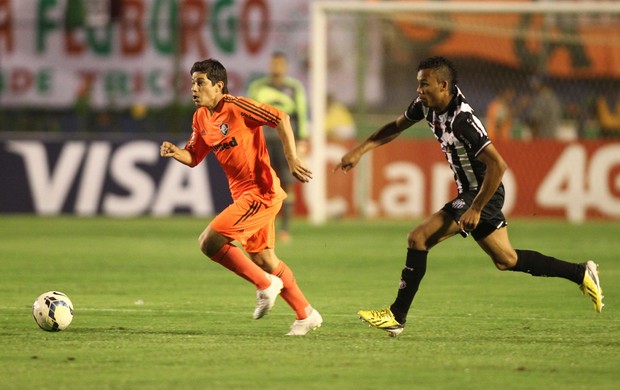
[
  {"x": 235, "y": 260},
  {"x": 291, "y": 292}
]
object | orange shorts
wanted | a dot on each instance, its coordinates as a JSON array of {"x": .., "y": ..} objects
[{"x": 250, "y": 221}]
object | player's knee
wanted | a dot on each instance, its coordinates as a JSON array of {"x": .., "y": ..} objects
[
  {"x": 208, "y": 244},
  {"x": 505, "y": 262},
  {"x": 501, "y": 266},
  {"x": 414, "y": 240},
  {"x": 204, "y": 244}
]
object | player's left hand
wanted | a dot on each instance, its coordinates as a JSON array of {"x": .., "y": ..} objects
[
  {"x": 469, "y": 220},
  {"x": 299, "y": 170}
]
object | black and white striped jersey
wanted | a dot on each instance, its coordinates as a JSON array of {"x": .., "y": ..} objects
[{"x": 462, "y": 137}]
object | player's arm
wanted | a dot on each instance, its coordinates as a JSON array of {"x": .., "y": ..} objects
[
  {"x": 385, "y": 134},
  {"x": 168, "y": 149},
  {"x": 285, "y": 133},
  {"x": 495, "y": 168}
]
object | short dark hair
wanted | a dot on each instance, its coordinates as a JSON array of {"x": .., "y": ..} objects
[
  {"x": 214, "y": 70},
  {"x": 443, "y": 67}
]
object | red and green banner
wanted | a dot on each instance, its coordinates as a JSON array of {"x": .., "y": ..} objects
[{"x": 52, "y": 57}]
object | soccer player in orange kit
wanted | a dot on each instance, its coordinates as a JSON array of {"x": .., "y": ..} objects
[{"x": 230, "y": 127}]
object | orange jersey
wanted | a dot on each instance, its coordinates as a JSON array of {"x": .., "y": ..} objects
[{"x": 234, "y": 133}]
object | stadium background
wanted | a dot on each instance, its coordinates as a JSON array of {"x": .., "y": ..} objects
[{"x": 88, "y": 92}]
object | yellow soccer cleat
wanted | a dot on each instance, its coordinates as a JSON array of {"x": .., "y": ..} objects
[
  {"x": 382, "y": 319},
  {"x": 591, "y": 285}
]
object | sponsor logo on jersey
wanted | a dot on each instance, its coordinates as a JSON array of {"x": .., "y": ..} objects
[
  {"x": 250, "y": 117},
  {"x": 225, "y": 145},
  {"x": 458, "y": 204},
  {"x": 224, "y": 129}
]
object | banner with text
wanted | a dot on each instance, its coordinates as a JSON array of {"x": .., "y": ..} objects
[
  {"x": 53, "y": 56},
  {"x": 411, "y": 179},
  {"x": 115, "y": 177},
  {"x": 125, "y": 176}
]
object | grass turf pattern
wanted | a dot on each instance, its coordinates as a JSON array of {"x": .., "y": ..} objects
[{"x": 151, "y": 312}]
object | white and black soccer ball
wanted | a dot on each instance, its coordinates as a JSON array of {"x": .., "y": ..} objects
[{"x": 53, "y": 311}]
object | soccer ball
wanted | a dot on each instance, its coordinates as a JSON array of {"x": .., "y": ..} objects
[{"x": 53, "y": 311}]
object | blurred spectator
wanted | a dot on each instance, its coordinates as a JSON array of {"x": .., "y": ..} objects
[
  {"x": 82, "y": 107},
  {"x": 582, "y": 113},
  {"x": 500, "y": 116},
  {"x": 543, "y": 111},
  {"x": 339, "y": 123},
  {"x": 609, "y": 118},
  {"x": 282, "y": 91}
]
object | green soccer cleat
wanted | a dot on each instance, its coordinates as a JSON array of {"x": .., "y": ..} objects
[
  {"x": 591, "y": 285},
  {"x": 382, "y": 319}
]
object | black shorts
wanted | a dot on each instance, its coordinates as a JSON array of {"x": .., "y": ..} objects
[{"x": 491, "y": 218}]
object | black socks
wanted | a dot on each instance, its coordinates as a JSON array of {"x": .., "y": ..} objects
[
  {"x": 537, "y": 264},
  {"x": 410, "y": 278},
  {"x": 531, "y": 262}
]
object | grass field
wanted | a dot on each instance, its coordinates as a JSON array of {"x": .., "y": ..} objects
[{"x": 152, "y": 313}]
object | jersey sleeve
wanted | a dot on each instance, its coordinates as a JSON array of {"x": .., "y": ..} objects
[
  {"x": 196, "y": 145},
  {"x": 415, "y": 111},
  {"x": 257, "y": 114},
  {"x": 470, "y": 130}
]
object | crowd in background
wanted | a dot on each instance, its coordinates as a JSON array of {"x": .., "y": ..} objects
[
  {"x": 534, "y": 112},
  {"x": 538, "y": 113},
  {"x": 518, "y": 105}
]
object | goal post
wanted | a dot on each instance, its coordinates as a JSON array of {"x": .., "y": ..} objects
[
  {"x": 321, "y": 11},
  {"x": 317, "y": 204}
]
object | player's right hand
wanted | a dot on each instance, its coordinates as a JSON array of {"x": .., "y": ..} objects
[
  {"x": 348, "y": 161},
  {"x": 167, "y": 149},
  {"x": 299, "y": 170}
]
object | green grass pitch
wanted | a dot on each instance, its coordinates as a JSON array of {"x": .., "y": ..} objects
[{"x": 152, "y": 313}]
